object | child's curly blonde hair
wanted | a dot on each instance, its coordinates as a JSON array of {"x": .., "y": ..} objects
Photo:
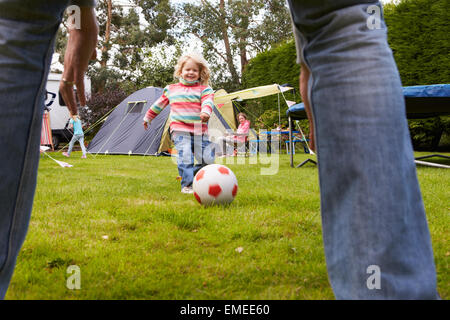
[{"x": 200, "y": 61}]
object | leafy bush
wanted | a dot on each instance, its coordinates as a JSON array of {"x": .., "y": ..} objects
[
  {"x": 426, "y": 133},
  {"x": 277, "y": 65},
  {"x": 268, "y": 120}
]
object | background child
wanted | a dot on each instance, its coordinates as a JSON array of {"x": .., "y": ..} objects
[
  {"x": 78, "y": 135},
  {"x": 191, "y": 103},
  {"x": 239, "y": 137}
]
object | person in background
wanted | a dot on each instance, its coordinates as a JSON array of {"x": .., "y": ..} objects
[
  {"x": 191, "y": 104},
  {"x": 239, "y": 137},
  {"x": 78, "y": 135}
]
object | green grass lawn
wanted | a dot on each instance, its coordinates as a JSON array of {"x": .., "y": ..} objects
[{"x": 123, "y": 221}]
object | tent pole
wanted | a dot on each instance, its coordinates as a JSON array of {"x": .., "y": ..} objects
[
  {"x": 291, "y": 149},
  {"x": 279, "y": 112}
]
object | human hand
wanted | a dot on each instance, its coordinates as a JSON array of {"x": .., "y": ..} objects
[
  {"x": 204, "y": 117},
  {"x": 304, "y": 76},
  {"x": 145, "y": 125},
  {"x": 80, "y": 49}
]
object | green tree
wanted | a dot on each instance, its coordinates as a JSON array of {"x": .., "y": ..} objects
[
  {"x": 230, "y": 31},
  {"x": 124, "y": 40},
  {"x": 418, "y": 34},
  {"x": 158, "y": 67},
  {"x": 277, "y": 65}
]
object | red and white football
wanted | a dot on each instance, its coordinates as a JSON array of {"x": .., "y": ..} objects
[{"x": 215, "y": 184}]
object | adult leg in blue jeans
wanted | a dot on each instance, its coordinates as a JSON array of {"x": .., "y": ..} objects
[
  {"x": 27, "y": 32},
  {"x": 24, "y": 62},
  {"x": 373, "y": 217}
]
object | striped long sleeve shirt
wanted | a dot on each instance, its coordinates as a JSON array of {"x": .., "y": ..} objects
[{"x": 187, "y": 101}]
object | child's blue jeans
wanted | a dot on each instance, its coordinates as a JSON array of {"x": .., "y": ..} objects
[
  {"x": 190, "y": 148},
  {"x": 75, "y": 138}
]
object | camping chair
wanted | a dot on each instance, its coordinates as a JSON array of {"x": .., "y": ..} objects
[
  {"x": 253, "y": 143},
  {"x": 242, "y": 148},
  {"x": 239, "y": 148},
  {"x": 235, "y": 148}
]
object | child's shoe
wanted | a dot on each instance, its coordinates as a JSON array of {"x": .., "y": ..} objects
[
  {"x": 65, "y": 154},
  {"x": 187, "y": 190},
  {"x": 83, "y": 156}
]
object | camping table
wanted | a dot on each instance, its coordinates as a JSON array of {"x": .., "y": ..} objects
[{"x": 276, "y": 133}]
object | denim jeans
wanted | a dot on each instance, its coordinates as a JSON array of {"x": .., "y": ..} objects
[
  {"x": 373, "y": 217},
  {"x": 189, "y": 147},
  {"x": 75, "y": 138},
  {"x": 27, "y": 32}
]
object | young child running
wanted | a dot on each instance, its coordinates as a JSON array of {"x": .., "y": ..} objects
[
  {"x": 191, "y": 103},
  {"x": 78, "y": 135}
]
